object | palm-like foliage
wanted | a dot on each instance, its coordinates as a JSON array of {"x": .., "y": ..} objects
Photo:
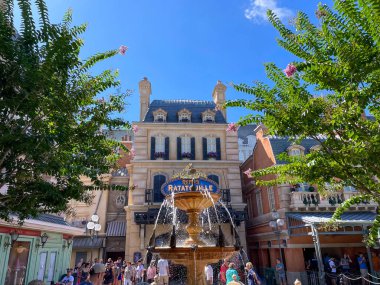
[
  {"x": 50, "y": 117},
  {"x": 339, "y": 60}
]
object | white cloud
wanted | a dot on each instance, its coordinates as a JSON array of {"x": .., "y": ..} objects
[{"x": 257, "y": 10}]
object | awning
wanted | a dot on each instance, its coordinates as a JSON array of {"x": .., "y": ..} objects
[
  {"x": 87, "y": 242},
  {"x": 116, "y": 229},
  {"x": 348, "y": 218}
]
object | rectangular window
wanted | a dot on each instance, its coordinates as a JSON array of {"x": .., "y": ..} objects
[
  {"x": 272, "y": 204},
  {"x": 160, "y": 144},
  {"x": 185, "y": 145},
  {"x": 259, "y": 203},
  {"x": 42, "y": 266},
  {"x": 211, "y": 145}
]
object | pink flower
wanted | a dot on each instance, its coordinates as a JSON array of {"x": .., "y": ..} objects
[
  {"x": 248, "y": 172},
  {"x": 232, "y": 127},
  {"x": 290, "y": 70},
  {"x": 132, "y": 153},
  {"x": 123, "y": 49},
  {"x": 135, "y": 129}
]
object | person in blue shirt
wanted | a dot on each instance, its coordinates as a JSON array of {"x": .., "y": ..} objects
[
  {"x": 252, "y": 277},
  {"x": 363, "y": 267},
  {"x": 231, "y": 271}
]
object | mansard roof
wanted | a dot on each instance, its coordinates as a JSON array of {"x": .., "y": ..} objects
[
  {"x": 281, "y": 144},
  {"x": 172, "y": 107},
  {"x": 245, "y": 131}
]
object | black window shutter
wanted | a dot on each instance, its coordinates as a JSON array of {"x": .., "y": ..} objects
[
  {"x": 192, "y": 148},
  {"x": 167, "y": 148},
  {"x": 179, "y": 150},
  {"x": 204, "y": 142},
  {"x": 158, "y": 181},
  {"x": 152, "y": 147},
  {"x": 218, "y": 154}
]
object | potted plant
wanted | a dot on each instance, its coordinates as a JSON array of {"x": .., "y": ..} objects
[
  {"x": 159, "y": 155},
  {"x": 211, "y": 155},
  {"x": 186, "y": 155}
]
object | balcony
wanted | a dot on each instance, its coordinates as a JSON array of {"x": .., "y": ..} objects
[{"x": 310, "y": 201}]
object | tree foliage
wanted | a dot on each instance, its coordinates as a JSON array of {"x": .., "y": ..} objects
[
  {"x": 337, "y": 79},
  {"x": 51, "y": 120}
]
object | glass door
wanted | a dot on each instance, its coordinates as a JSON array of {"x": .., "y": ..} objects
[
  {"x": 53, "y": 256},
  {"x": 42, "y": 266},
  {"x": 17, "y": 263}
]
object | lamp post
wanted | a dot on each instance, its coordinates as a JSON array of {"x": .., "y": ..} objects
[
  {"x": 94, "y": 228},
  {"x": 276, "y": 223}
]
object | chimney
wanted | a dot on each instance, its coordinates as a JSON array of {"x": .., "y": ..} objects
[
  {"x": 219, "y": 96},
  {"x": 145, "y": 90}
]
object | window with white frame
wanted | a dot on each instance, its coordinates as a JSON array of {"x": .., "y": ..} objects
[
  {"x": 271, "y": 200},
  {"x": 302, "y": 187},
  {"x": 208, "y": 116},
  {"x": 160, "y": 115},
  {"x": 186, "y": 144},
  {"x": 296, "y": 150},
  {"x": 259, "y": 202},
  {"x": 160, "y": 144},
  {"x": 184, "y": 116},
  {"x": 211, "y": 144}
]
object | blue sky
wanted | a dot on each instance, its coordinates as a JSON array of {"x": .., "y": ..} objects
[{"x": 183, "y": 46}]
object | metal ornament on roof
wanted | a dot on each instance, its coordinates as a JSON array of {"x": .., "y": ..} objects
[{"x": 189, "y": 173}]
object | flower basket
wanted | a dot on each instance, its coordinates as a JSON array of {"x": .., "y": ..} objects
[
  {"x": 159, "y": 155},
  {"x": 186, "y": 155},
  {"x": 211, "y": 155}
]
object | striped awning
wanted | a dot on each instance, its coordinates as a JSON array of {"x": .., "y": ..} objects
[
  {"x": 116, "y": 229},
  {"x": 347, "y": 218},
  {"x": 87, "y": 242}
]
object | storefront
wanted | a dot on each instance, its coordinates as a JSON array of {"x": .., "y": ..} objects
[{"x": 39, "y": 249}]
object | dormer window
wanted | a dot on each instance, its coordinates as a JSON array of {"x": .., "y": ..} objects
[
  {"x": 296, "y": 150},
  {"x": 184, "y": 116},
  {"x": 208, "y": 116},
  {"x": 317, "y": 147},
  {"x": 160, "y": 116}
]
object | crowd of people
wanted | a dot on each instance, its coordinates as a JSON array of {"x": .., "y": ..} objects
[
  {"x": 121, "y": 272},
  {"x": 117, "y": 273}
]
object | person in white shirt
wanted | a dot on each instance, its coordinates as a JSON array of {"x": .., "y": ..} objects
[
  {"x": 163, "y": 271},
  {"x": 139, "y": 271},
  {"x": 68, "y": 279},
  {"x": 209, "y": 273}
]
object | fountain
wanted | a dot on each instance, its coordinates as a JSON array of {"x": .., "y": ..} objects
[{"x": 192, "y": 192}]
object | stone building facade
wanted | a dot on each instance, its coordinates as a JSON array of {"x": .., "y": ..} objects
[
  {"x": 172, "y": 133},
  {"x": 109, "y": 206}
]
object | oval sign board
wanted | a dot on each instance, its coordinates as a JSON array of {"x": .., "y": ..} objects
[{"x": 180, "y": 185}]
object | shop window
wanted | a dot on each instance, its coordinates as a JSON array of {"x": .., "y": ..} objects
[{"x": 18, "y": 263}]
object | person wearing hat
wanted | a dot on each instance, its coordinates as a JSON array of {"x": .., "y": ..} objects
[
  {"x": 68, "y": 279},
  {"x": 235, "y": 280}
]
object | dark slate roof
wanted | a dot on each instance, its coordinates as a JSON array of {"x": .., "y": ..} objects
[
  {"x": 123, "y": 171},
  {"x": 86, "y": 242},
  {"x": 116, "y": 229},
  {"x": 280, "y": 145},
  {"x": 245, "y": 131},
  {"x": 119, "y": 134},
  {"x": 51, "y": 219},
  {"x": 172, "y": 107},
  {"x": 323, "y": 217}
]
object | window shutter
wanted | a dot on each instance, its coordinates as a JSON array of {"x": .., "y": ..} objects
[
  {"x": 218, "y": 154},
  {"x": 167, "y": 148},
  {"x": 192, "y": 148},
  {"x": 179, "y": 151},
  {"x": 204, "y": 142},
  {"x": 158, "y": 181},
  {"x": 152, "y": 147}
]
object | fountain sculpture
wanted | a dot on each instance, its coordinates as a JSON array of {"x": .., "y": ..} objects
[{"x": 192, "y": 192}]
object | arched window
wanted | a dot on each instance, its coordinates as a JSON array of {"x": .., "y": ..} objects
[
  {"x": 158, "y": 180},
  {"x": 214, "y": 178}
]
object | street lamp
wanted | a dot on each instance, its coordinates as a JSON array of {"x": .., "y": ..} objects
[
  {"x": 276, "y": 223},
  {"x": 93, "y": 226}
]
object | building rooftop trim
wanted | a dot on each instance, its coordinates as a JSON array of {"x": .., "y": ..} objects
[{"x": 323, "y": 217}]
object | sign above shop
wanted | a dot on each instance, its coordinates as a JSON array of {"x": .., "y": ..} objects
[{"x": 180, "y": 185}]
